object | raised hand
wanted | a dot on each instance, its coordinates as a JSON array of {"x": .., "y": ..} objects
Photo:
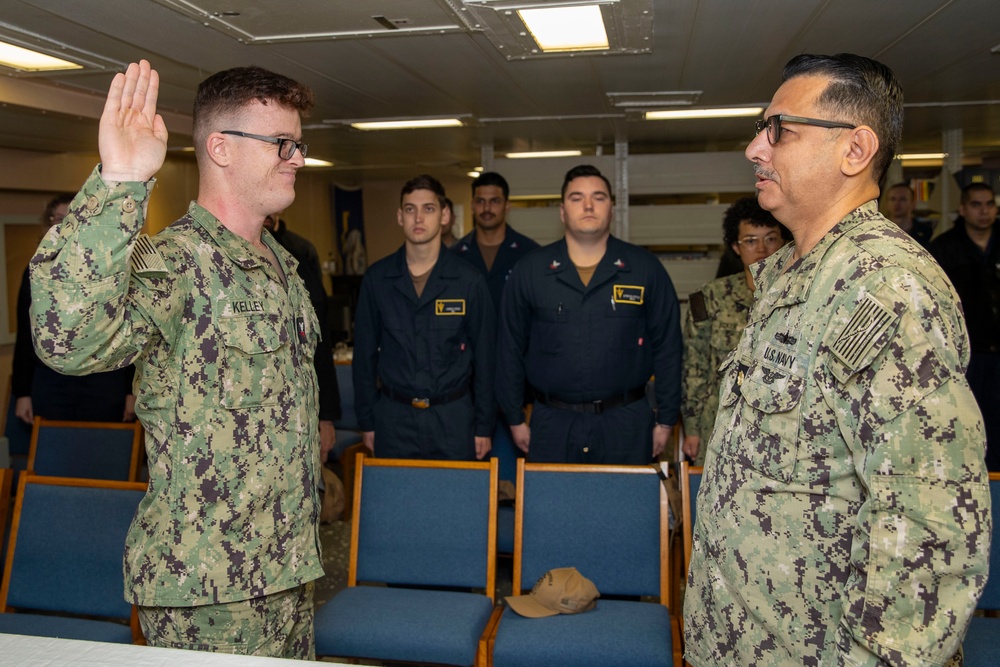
[{"x": 132, "y": 136}]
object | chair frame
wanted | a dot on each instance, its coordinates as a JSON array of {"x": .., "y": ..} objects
[
  {"x": 135, "y": 427},
  {"x": 29, "y": 478},
  {"x": 6, "y": 480}
]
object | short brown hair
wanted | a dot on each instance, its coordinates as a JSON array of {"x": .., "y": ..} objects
[{"x": 232, "y": 90}]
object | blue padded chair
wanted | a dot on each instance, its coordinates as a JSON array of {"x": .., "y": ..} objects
[
  {"x": 65, "y": 557},
  {"x": 91, "y": 450},
  {"x": 610, "y": 523},
  {"x": 980, "y": 644},
  {"x": 690, "y": 483},
  {"x": 423, "y": 525}
]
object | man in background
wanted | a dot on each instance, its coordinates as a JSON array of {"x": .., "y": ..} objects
[
  {"x": 586, "y": 321},
  {"x": 424, "y": 343},
  {"x": 448, "y": 225},
  {"x": 493, "y": 247},
  {"x": 41, "y": 391},
  {"x": 309, "y": 270},
  {"x": 901, "y": 204},
  {"x": 969, "y": 253},
  {"x": 716, "y": 316}
]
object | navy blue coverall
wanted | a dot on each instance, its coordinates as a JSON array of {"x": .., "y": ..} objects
[
  {"x": 577, "y": 344},
  {"x": 435, "y": 347},
  {"x": 514, "y": 247}
]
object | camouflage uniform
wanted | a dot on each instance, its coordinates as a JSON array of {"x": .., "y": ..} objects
[
  {"x": 225, "y": 390},
  {"x": 844, "y": 514},
  {"x": 715, "y": 319}
]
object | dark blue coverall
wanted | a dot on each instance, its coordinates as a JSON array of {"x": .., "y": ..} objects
[
  {"x": 514, "y": 247},
  {"x": 440, "y": 347},
  {"x": 577, "y": 345}
]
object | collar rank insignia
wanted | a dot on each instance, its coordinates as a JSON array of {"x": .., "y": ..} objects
[
  {"x": 555, "y": 264},
  {"x": 619, "y": 263},
  {"x": 514, "y": 244}
]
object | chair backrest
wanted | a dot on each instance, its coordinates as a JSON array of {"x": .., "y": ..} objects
[
  {"x": 66, "y": 546},
  {"x": 690, "y": 483},
  {"x": 18, "y": 433},
  {"x": 425, "y": 523},
  {"x": 609, "y": 522},
  {"x": 991, "y": 595},
  {"x": 91, "y": 450},
  {"x": 345, "y": 382}
]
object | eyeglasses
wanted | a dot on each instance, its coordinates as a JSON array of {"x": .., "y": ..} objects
[
  {"x": 286, "y": 147},
  {"x": 755, "y": 242},
  {"x": 773, "y": 125}
]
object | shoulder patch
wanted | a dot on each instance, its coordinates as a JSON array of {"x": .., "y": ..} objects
[
  {"x": 696, "y": 302},
  {"x": 868, "y": 323},
  {"x": 145, "y": 258}
]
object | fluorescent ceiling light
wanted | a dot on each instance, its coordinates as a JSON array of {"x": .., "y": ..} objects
[
  {"x": 922, "y": 156},
  {"x": 407, "y": 124},
  {"x": 316, "y": 162},
  {"x": 566, "y": 28},
  {"x": 676, "y": 114},
  {"x": 26, "y": 60},
  {"x": 529, "y": 154},
  {"x": 473, "y": 174}
]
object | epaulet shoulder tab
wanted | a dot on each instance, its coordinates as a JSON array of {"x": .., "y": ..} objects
[{"x": 146, "y": 258}]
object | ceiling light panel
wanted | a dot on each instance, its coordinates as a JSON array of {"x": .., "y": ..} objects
[
  {"x": 45, "y": 55},
  {"x": 628, "y": 25}
]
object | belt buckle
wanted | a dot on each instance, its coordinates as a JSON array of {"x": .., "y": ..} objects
[
  {"x": 421, "y": 403},
  {"x": 598, "y": 407}
]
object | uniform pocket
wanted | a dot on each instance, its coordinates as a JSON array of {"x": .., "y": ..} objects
[
  {"x": 772, "y": 419},
  {"x": 251, "y": 369},
  {"x": 548, "y": 329}
]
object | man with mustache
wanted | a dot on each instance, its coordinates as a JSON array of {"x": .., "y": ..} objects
[
  {"x": 844, "y": 512},
  {"x": 492, "y": 246}
]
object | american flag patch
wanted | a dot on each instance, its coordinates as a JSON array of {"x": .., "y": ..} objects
[
  {"x": 869, "y": 322},
  {"x": 145, "y": 258}
]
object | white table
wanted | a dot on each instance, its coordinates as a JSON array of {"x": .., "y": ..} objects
[{"x": 26, "y": 651}]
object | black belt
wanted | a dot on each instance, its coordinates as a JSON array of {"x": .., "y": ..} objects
[
  {"x": 424, "y": 403},
  {"x": 592, "y": 407}
]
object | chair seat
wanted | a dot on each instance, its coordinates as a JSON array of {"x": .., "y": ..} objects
[
  {"x": 38, "y": 625},
  {"x": 402, "y": 624},
  {"x": 615, "y": 633},
  {"x": 980, "y": 645}
]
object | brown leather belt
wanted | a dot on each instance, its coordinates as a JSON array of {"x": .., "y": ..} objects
[{"x": 426, "y": 402}]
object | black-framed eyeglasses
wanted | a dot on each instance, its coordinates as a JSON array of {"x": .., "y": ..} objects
[
  {"x": 286, "y": 147},
  {"x": 773, "y": 125}
]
